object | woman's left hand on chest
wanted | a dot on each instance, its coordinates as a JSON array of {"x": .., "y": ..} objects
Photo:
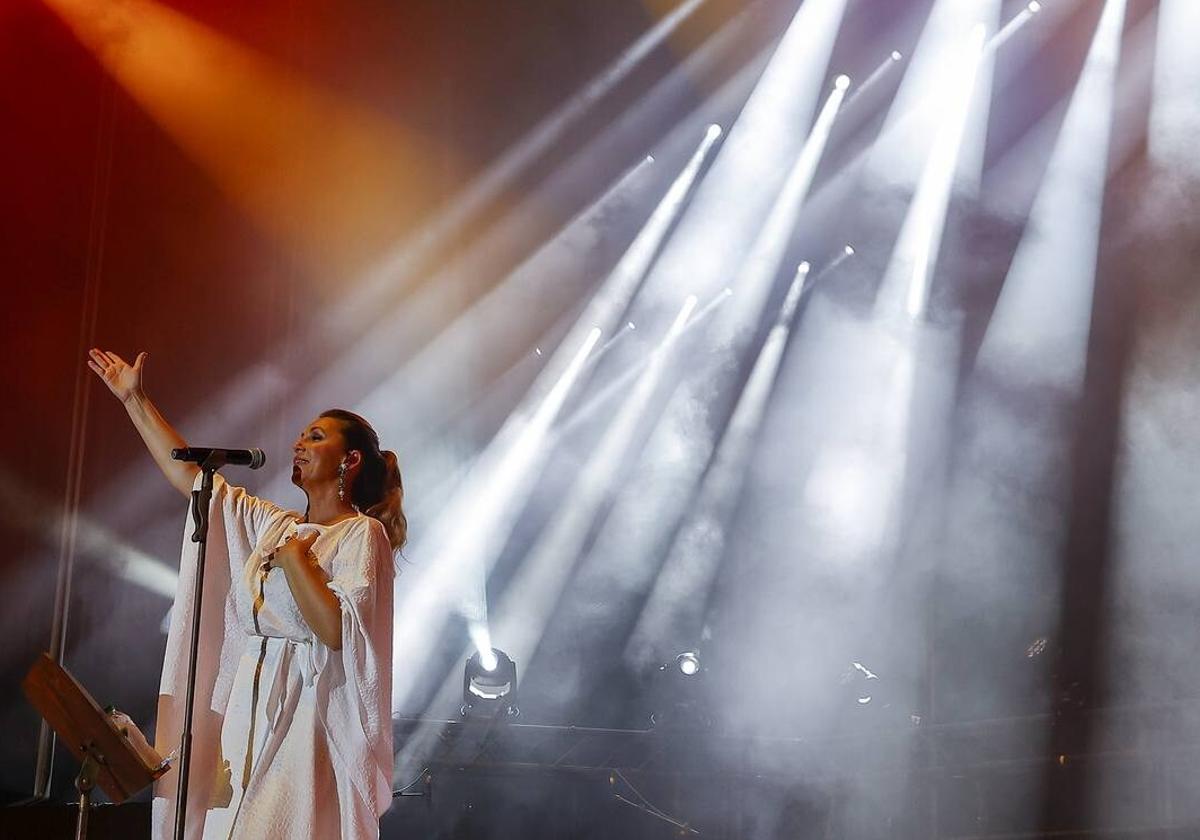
[{"x": 296, "y": 549}]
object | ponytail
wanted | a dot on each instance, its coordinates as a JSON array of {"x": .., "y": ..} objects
[
  {"x": 389, "y": 510},
  {"x": 378, "y": 490}
]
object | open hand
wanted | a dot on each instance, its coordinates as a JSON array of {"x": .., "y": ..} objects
[{"x": 122, "y": 378}]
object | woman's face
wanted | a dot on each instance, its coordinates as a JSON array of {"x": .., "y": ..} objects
[{"x": 318, "y": 452}]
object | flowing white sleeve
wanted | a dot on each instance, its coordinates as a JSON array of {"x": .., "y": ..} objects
[
  {"x": 245, "y": 517},
  {"x": 237, "y": 520},
  {"x": 354, "y": 684}
]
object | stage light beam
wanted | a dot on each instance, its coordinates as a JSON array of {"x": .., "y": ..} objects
[
  {"x": 673, "y": 613},
  {"x": 932, "y": 81},
  {"x": 423, "y": 377},
  {"x": 1039, "y": 330},
  {"x": 275, "y": 143},
  {"x": 724, "y": 218},
  {"x": 103, "y": 547},
  {"x": 528, "y": 601},
  {"x": 504, "y": 172},
  {"x": 910, "y": 269},
  {"x": 497, "y": 484},
  {"x": 1175, "y": 112},
  {"x": 606, "y": 307}
]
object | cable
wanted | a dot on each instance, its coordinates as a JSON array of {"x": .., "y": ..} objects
[
  {"x": 646, "y": 805},
  {"x": 404, "y": 789}
]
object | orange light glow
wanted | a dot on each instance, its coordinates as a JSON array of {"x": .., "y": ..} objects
[{"x": 333, "y": 182}]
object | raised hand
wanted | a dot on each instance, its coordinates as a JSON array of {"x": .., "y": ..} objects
[
  {"x": 125, "y": 381},
  {"x": 122, "y": 378}
]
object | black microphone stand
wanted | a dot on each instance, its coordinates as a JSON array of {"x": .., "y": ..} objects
[{"x": 201, "y": 500}]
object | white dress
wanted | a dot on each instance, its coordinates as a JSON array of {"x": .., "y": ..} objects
[{"x": 290, "y": 738}]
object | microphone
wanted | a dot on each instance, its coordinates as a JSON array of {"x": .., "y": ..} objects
[{"x": 252, "y": 458}]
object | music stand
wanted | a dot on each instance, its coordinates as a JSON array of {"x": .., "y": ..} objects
[{"x": 107, "y": 759}]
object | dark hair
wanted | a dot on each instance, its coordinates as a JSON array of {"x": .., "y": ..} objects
[{"x": 378, "y": 490}]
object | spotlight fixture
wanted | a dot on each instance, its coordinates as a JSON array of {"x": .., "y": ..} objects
[
  {"x": 1034, "y": 7},
  {"x": 897, "y": 55},
  {"x": 688, "y": 663},
  {"x": 848, "y": 250},
  {"x": 841, "y": 82},
  {"x": 488, "y": 691},
  {"x": 678, "y": 696}
]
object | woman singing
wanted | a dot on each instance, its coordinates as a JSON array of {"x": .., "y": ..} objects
[{"x": 292, "y": 732}]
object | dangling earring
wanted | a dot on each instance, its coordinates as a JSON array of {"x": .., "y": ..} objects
[{"x": 342, "y": 481}]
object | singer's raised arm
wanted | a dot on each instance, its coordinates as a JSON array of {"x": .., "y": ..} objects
[{"x": 125, "y": 382}]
